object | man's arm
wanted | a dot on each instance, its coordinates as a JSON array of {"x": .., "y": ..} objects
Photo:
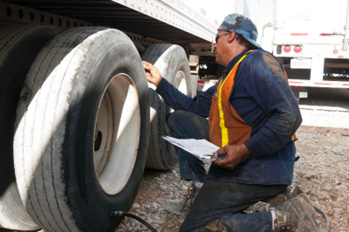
[
  {"x": 200, "y": 104},
  {"x": 269, "y": 88}
]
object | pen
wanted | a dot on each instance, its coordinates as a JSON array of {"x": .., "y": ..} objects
[{"x": 218, "y": 156}]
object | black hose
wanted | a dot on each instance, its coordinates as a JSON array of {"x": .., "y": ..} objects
[
  {"x": 114, "y": 214},
  {"x": 327, "y": 229}
]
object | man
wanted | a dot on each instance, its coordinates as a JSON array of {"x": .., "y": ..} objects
[{"x": 253, "y": 116}]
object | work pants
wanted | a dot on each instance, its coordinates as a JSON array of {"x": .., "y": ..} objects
[
  {"x": 218, "y": 199},
  {"x": 189, "y": 125}
]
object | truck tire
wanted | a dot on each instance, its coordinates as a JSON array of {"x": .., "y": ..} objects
[
  {"x": 172, "y": 62},
  {"x": 82, "y": 130},
  {"x": 19, "y": 46}
]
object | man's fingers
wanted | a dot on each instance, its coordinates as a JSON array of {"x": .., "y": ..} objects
[
  {"x": 227, "y": 165},
  {"x": 228, "y": 161},
  {"x": 148, "y": 75},
  {"x": 146, "y": 65},
  {"x": 149, "y": 68},
  {"x": 223, "y": 162},
  {"x": 152, "y": 73}
]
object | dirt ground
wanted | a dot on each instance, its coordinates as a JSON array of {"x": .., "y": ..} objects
[{"x": 321, "y": 172}]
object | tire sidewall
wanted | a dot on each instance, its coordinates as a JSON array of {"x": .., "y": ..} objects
[
  {"x": 175, "y": 59},
  {"x": 122, "y": 58},
  {"x": 169, "y": 59}
]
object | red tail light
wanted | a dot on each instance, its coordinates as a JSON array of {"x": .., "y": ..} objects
[
  {"x": 297, "y": 49},
  {"x": 287, "y": 48}
]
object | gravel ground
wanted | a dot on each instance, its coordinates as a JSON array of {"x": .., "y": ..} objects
[{"x": 321, "y": 172}]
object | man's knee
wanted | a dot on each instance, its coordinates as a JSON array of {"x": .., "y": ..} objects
[
  {"x": 177, "y": 117},
  {"x": 188, "y": 125}
]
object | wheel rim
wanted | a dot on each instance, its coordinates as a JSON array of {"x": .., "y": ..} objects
[
  {"x": 180, "y": 83},
  {"x": 117, "y": 133}
]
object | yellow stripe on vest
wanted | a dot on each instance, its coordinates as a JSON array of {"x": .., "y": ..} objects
[{"x": 224, "y": 129}]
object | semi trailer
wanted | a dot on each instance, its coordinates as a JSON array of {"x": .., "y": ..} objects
[{"x": 310, "y": 38}]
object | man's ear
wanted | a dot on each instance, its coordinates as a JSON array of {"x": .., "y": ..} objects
[{"x": 231, "y": 36}]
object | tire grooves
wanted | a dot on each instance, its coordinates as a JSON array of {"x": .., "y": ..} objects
[
  {"x": 12, "y": 37},
  {"x": 69, "y": 40},
  {"x": 36, "y": 83},
  {"x": 46, "y": 62},
  {"x": 80, "y": 35},
  {"x": 63, "y": 41},
  {"x": 33, "y": 79},
  {"x": 56, "y": 54},
  {"x": 23, "y": 157},
  {"x": 48, "y": 203}
]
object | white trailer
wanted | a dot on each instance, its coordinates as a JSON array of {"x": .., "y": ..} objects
[
  {"x": 78, "y": 121},
  {"x": 310, "y": 38}
]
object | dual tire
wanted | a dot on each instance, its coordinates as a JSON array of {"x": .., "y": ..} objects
[
  {"x": 80, "y": 133},
  {"x": 82, "y": 130}
]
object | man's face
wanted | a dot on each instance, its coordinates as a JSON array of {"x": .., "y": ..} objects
[{"x": 221, "y": 47}]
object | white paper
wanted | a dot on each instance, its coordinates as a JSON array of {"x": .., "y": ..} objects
[{"x": 201, "y": 148}]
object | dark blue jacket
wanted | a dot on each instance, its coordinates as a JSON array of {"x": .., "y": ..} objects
[{"x": 262, "y": 97}]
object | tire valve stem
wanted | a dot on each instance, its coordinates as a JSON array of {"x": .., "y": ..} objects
[{"x": 114, "y": 214}]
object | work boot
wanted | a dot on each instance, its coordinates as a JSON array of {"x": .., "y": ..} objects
[
  {"x": 289, "y": 193},
  {"x": 295, "y": 215}
]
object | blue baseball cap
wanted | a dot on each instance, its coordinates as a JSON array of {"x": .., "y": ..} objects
[{"x": 241, "y": 25}]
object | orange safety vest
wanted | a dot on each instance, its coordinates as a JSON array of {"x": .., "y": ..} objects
[{"x": 226, "y": 126}]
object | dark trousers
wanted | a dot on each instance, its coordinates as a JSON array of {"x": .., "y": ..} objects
[
  {"x": 188, "y": 125},
  {"x": 226, "y": 201},
  {"x": 218, "y": 199}
]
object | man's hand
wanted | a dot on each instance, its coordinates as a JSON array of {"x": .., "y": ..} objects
[
  {"x": 153, "y": 74},
  {"x": 234, "y": 155}
]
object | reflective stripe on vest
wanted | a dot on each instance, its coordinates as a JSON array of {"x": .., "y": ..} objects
[
  {"x": 224, "y": 130},
  {"x": 226, "y": 126}
]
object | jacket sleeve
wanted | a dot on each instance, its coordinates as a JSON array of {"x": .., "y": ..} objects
[
  {"x": 267, "y": 85},
  {"x": 200, "y": 104}
]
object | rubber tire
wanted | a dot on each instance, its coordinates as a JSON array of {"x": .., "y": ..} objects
[
  {"x": 19, "y": 46},
  {"x": 54, "y": 140},
  {"x": 170, "y": 60}
]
